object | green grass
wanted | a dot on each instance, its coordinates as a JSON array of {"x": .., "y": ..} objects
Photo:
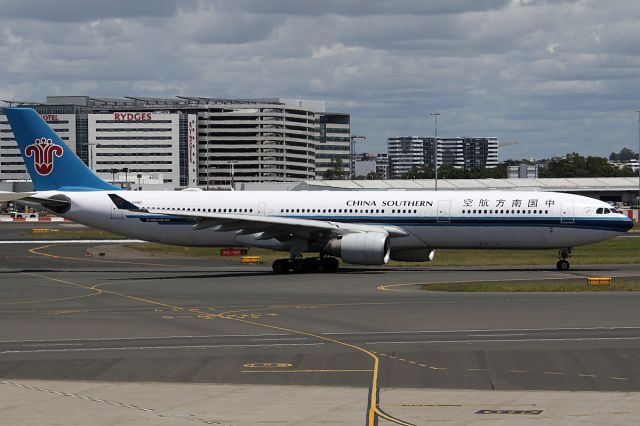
[
  {"x": 619, "y": 284},
  {"x": 618, "y": 250},
  {"x": 204, "y": 252},
  {"x": 74, "y": 234}
]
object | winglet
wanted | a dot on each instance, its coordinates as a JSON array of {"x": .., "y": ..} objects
[{"x": 123, "y": 204}]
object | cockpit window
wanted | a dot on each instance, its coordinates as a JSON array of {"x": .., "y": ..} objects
[{"x": 599, "y": 211}]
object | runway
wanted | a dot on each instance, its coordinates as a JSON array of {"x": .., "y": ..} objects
[{"x": 131, "y": 317}]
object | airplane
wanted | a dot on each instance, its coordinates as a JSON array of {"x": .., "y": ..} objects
[{"x": 360, "y": 227}]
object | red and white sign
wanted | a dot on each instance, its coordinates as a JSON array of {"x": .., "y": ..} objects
[
  {"x": 43, "y": 151},
  {"x": 132, "y": 116},
  {"x": 49, "y": 117},
  {"x": 233, "y": 251}
]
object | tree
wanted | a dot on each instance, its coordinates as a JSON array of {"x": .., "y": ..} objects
[
  {"x": 335, "y": 170},
  {"x": 419, "y": 172},
  {"x": 575, "y": 165},
  {"x": 623, "y": 156}
]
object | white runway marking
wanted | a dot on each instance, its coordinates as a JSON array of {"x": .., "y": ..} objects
[
  {"x": 496, "y": 330},
  {"x": 98, "y": 339},
  {"x": 142, "y": 348},
  {"x": 559, "y": 339}
]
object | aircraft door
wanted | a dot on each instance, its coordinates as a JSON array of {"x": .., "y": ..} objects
[
  {"x": 261, "y": 209},
  {"x": 567, "y": 212},
  {"x": 444, "y": 210}
]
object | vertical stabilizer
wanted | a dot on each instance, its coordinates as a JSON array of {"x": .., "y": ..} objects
[{"x": 50, "y": 162}]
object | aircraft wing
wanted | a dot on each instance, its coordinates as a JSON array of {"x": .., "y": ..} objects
[{"x": 265, "y": 227}]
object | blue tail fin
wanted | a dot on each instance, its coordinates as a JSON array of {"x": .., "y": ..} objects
[{"x": 50, "y": 162}]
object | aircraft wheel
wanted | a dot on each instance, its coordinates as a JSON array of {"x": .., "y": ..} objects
[
  {"x": 299, "y": 266},
  {"x": 563, "y": 265},
  {"x": 281, "y": 266},
  {"x": 311, "y": 264},
  {"x": 329, "y": 264}
]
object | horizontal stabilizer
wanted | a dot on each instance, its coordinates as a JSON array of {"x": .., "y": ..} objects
[
  {"x": 13, "y": 196},
  {"x": 123, "y": 204}
]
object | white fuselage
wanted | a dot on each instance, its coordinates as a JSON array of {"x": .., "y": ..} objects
[{"x": 442, "y": 219}]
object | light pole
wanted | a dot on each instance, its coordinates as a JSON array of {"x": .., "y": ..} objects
[
  {"x": 638, "y": 156},
  {"x": 232, "y": 162},
  {"x": 435, "y": 143},
  {"x": 352, "y": 153}
]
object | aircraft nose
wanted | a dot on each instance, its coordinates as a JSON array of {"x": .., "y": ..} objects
[{"x": 628, "y": 224}]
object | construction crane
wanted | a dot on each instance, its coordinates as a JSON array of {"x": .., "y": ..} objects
[{"x": 503, "y": 144}]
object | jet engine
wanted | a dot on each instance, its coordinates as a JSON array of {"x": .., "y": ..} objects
[
  {"x": 366, "y": 248},
  {"x": 413, "y": 255}
]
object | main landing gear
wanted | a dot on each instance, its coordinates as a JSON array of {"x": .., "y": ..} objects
[
  {"x": 308, "y": 264},
  {"x": 563, "y": 263}
]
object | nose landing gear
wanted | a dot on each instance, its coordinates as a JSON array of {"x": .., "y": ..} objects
[{"x": 563, "y": 264}]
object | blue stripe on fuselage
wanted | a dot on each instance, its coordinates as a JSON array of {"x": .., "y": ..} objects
[{"x": 612, "y": 224}]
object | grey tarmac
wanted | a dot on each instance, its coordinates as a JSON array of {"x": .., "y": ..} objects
[{"x": 128, "y": 318}]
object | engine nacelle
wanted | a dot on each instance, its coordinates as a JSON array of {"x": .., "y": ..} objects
[
  {"x": 366, "y": 248},
  {"x": 413, "y": 255}
]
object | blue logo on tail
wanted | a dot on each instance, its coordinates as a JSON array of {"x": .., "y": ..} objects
[{"x": 49, "y": 161}]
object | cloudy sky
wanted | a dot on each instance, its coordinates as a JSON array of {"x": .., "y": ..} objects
[{"x": 558, "y": 76}]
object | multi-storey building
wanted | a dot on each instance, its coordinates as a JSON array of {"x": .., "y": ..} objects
[
  {"x": 257, "y": 140},
  {"x": 382, "y": 165},
  {"x": 189, "y": 141},
  {"x": 333, "y": 143},
  {"x": 478, "y": 152},
  {"x": 408, "y": 152},
  {"x": 142, "y": 146}
]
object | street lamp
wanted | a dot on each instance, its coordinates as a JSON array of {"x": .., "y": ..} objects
[
  {"x": 638, "y": 156},
  {"x": 126, "y": 177},
  {"x": 435, "y": 143},
  {"x": 232, "y": 162},
  {"x": 352, "y": 153}
]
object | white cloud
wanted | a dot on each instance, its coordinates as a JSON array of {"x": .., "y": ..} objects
[{"x": 542, "y": 72}]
